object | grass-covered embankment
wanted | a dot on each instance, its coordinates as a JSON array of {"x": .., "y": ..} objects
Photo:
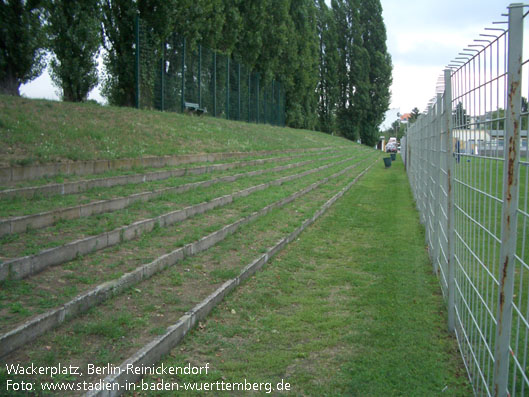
[
  {"x": 350, "y": 308},
  {"x": 42, "y": 131}
]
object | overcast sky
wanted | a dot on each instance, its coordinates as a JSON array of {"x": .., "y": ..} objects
[{"x": 423, "y": 36}]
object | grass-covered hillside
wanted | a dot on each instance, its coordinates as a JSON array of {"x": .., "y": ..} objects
[
  {"x": 33, "y": 131},
  {"x": 120, "y": 266}
]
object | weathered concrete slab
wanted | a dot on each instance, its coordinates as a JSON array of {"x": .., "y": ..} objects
[{"x": 78, "y": 186}]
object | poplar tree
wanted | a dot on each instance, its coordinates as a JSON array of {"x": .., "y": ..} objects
[
  {"x": 300, "y": 67},
  {"x": 250, "y": 39},
  {"x": 327, "y": 88},
  {"x": 364, "y": 68},
  {"x": 118, "y": 28},
  {"x": 214, "y": 23},
  {"x": 374, "y": 42},
  {"x": 22, "y": 42},
  {"x": 353, "y": 69},
  {"x": 118, "y": 19},
  {"x": 74, "y": 37}
]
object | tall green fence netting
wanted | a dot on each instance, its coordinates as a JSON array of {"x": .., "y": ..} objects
[{"x": 171, "y": 75}]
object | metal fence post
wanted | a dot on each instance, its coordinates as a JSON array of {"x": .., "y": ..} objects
[
  {"x": 215, "y": 84},
  {"x": 422, "y": 170},
  {"x": 258, "y": 77},
  {"x": 183, "y": 74},
  {"x": 238, "y": 91},
  {"x": 162, "y": 77},
  {"x": 273, "y": 109},
  {"x": 510, "y": 202},
  {"x": 428, "y": 180},
  {"x": 278, "y": 103},
  {"x": 249, "y": 94},
  {"x": 199, "y": 75},
  {"x": 137, "y": 60},
  {"x": 437, "y": 174},
  {"x": 227, "y": 87},
  {"x": 450, "y": 209},
  {"x": 264, "y": 106}
]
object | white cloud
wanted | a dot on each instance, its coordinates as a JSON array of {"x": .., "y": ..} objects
[{"x": 413, "y": 86}]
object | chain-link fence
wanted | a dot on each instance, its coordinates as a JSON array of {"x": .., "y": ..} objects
[
  {"x": 174, "y": 76},
  {"x": 468, "y": 165}
]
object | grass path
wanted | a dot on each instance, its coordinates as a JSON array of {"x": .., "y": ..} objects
[{"x": 350, "y": 308}]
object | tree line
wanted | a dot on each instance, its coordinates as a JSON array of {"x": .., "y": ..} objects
[{"x": 332, "y": 61}]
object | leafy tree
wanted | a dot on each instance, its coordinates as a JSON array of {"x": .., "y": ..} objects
[
  {"x": 278, "y": 29},
  {"x": 199, "y": 21},
  {"x": 328, "y": 78},
  {"x": 353, "y": 69},
  {"x": 249, "y": 40},
  {"x": 278, "y": 39},
  {"x": 74, "y": 36},
  {"x": 374, "y": 42},
  {"x": 118, "y": 16},
  {"x": 22, "y": 42},
  {"x": 415, "y": 113},
  {"x": 397, "y": 130},
  {"x": 118, "y": 28},
  {"x": 301, "y": 66},
  {"x": 461, "y": 119},
  {"x": 227, "y": 27},
  {"x": 498, "y": 118}
]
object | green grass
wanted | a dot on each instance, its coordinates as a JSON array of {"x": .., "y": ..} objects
[
  {"x": 41, "y": 131},
  {"x": 350, "y": 308},
  {"x": 17, "y": 206},
  {"x": 161, "y": 300},
  {"x": 36, "y": 240},
  {"x": 98, "y": 267}
]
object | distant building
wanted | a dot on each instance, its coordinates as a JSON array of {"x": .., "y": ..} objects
[{"x": 404, "y": 118}]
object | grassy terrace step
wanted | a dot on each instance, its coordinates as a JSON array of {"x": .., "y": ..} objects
[
  {"x": 33, "y": 295},
  {"x": 158, "y": 208},
  {"x": 203, "y": 244},
  {"x": 58, "y": 212},
  {"x": 351, "y": 308},
  {"x": 56, "y": 183},
  {"x": 17, "y": 174},
  {"x": 29, "y": 265},
  {"x": 109, "y": 334},
  {"x": 68, "y": 184},
  {"x": 18, "y": 206},
  {"x": 46, "y": 131}
]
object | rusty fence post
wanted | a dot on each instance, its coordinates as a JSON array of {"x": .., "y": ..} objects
[
  {"x": 450, "y": 209},
  {"x": 510, "y": 202},
  {"x": 437, "y": 174},
  {"x": 428, "y": 200}
]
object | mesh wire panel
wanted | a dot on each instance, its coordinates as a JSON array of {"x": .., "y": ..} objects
[
  {"x": 479, "y": 92},
  {"x": 463, "y": 163},
  {"x": 174, "y": 76},
  {"x": 148, "y": 62},
  {"x": 519, "y": 360},
  {"x": 207, "y": 80}
]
